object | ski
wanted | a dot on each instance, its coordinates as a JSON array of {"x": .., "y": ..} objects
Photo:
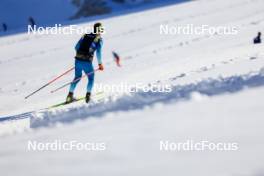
[
  {"x": 98, "y": 96},
  {"x": 66, "y": 103}
]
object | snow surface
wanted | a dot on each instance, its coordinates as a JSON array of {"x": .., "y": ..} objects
[
  {"x": 49, "y": 12},
  {"x": 217, "y": 93},
  {"x": 16, "y": 13}
]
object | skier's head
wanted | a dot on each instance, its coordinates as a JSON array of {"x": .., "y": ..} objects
[
  {"x": 98, "y": 28},
  {"x": 259, "y": 33}
]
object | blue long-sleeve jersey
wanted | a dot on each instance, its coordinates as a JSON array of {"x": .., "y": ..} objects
[{"x": 97, "y": 47}]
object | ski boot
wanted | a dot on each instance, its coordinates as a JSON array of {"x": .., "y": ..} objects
[
  {"x": 87, "y": 97},
  {"x": 69, "y": 98}
]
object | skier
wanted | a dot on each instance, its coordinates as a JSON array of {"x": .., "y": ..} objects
[
  {"x": 31, "y": 22},
  {"x": 85, "y": 49},
  {"x": 117, "y": 59},
  {"x": 4, "y": 27},
  {"x": 257, "y": 40}
]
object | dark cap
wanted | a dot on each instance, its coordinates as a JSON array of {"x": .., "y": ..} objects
[{"x": 97, "y": 27}]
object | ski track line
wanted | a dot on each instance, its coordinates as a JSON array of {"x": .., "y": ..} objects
[{"x": 31, "y": 55}]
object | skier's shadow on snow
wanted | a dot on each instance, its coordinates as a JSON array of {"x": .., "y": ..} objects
[{"x": 139, "y": 100}]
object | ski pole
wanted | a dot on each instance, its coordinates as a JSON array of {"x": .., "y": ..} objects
[
  {"x": 53, "y": 80},
  {"x": 75, "y": 80}
]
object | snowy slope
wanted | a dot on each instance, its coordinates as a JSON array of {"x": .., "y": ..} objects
[
  {"x": 16, "y": 13},
  {"x": 217, "y": 93}
]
